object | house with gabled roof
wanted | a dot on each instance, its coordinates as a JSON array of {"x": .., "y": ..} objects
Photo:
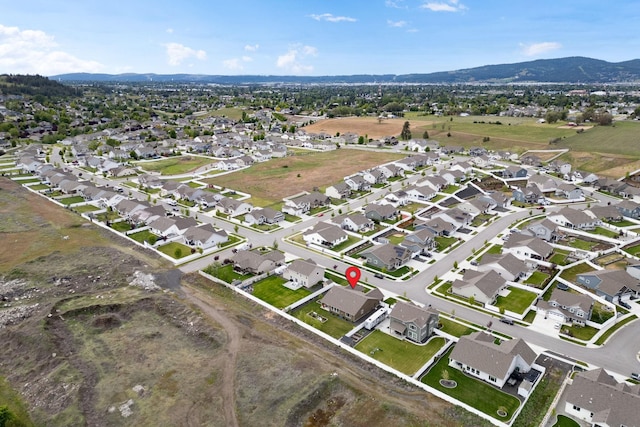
[
  {"x": 598, "y": 399},
  {"x": 340, "y": 190},
  {"x": 629, "y": 208},
  {"x": 356, "y": 222},
  {"x": 325, "y": 234},
  {"x": 414, "y": 323},
  {"x": 438, "y": 226},
  {"x": 204, "y": 236},
  {"x": 455, "y": 216},
  {"x": 506, "y": 265},
  {"x": 261, "y": 216},
  {"x": 381, "y": 212},
  {"x": 544, "y": 229},
  {"x": 171, "y": 227},
  {"x": 569, "y": 192},
  {"x": 420, "y": 241},
  {"x": 303, "y": 204},
  {"x": 351, "y": 304},
  {"x": 523, "y": 247},
  {"x": 573, "y": 218},
  {"x": 387, "y": 256},
  {"x": 357, "y": 183},
  {"x": 515, "y": 171},
  {"x": 126, "y": 208},
  {"x": 483, "y": 287},
  {"x": 614, "y": 286},
  {"x": 478, "y": 355},
  {"x": 233, "y": 207},
  {"x": 304, "y": 273},
  {"x": 420, "y": 193},
  {"x": 374, "y": 176},
  {"x": 605, "y": 213},
  {"x": 530, "y": 194},
  {"x": 252, "y": 262},
  {"x": 147, "y": 215},
  {"x": 391, "y": 170},
  {"x": 435, "y": 182},
  {"x": 567, "y": 307}
]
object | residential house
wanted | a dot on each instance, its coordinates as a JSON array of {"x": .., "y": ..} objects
[
  {"x": 435, "y": 182},
  {"x": 259, "y": 216},
  {"x": 476, "y": 206},
  {"x": 252, "y": 262},
  {"x": 233, "y": 207},
  {"x": 523, "y": 247},
  {"x": 398, "y": 198},
  {"x": 629, "y": 208},
  {"x": 569, "y": 192},
  {"x": 351, "y": 304},
  {"x": 453, "y": 176},
  {"x": 567, "y": 307},
  {"x": 325, "y": 234},
  {"x": 357, "y": 183},
  {"x": 304, "y": 273},
  {"x": 392, "y": 170},
  {"x": 171, "y": 227},
  {"x": 387, "y": 256},
  {"x": 544, "y": 229},
  {"x": 598, "y": 399},
  {"x": 616, "y": 286},
  {"x": 455, "y": 216},
  {"x": 514, "y": 171},
  {"x": 545, "y": 183},
  {"x": 606, "y": 213},
  {"x": 357, "y": 222},
  {"x": 204, "y": 236},
  {"x": 483, "y": 287},
  {"x": 438, "y": 226},
  {"x": 412, "y": 322},
  {"x": 530, "y": 194},
  {"x": 304, "y": 203},
  {"x": 482, "y": 161},
  {"x": 421, "y": 241},
  {"x": 147, "y": 215},
  {"x": 478, "y": 355},
  {"x": 382, "y": 212},
  {"x": 506, "y": 265},
  {"x": 374, "y": 176},
  {"x": 340, "y": 190},
  {"x": 573, "y": 218},
  {"x": 497, "y": 199},
  {"x": 422, "y": 194}
]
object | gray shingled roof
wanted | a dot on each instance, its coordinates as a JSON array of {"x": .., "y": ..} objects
[
  {"x": 349, "y": 300},
  {"x": 406, "y": 312},
  {"x": 509, "y": 262},
  {"x": 304, "y": 267}
]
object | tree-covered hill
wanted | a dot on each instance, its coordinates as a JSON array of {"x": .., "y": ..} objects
[{"x": 34, "y": 85}]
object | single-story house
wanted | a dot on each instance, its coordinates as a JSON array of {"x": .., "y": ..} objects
[{"x": 351, "y": 304}]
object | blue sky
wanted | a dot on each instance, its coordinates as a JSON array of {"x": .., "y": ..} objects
[{"x": 307, "y": 37}]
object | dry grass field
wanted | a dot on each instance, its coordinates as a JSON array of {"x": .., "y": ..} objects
[
  {"x": 361, "y": 125},
  {"x": 270, "y": 181}
]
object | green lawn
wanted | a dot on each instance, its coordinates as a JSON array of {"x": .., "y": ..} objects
[
  {"x": 121, "y": 226},
  {"x": 454, "y": 328},
  {"x": 445, "y": 242},
  {"x": 633, "y": 250},
  {"x": 396, "y": 238},
  {"x": 600, "y": 314},
  {"x": 71, "y": 200},
  {"x": 559, "y": 257},
  {"x": 225, "y": 273},
  {"x": 474, "y": 393},
  {"x": 571, "y": 273},
  {"x": 580, "y": 244},
  {"x": 339, "y": 279},
  {"x": 143, "y": 236},
  {"x": 175, "y": 165},
  {"x": 494, "y": 250},
  {"x": 351, "y": 240},
  {"x": 538, "y": 279},
  {"x": 86, "y": 208},
  {"x": 28, "y": 181},
  {"x": 605, "y": 232},
  {"x": 272, "y": 291},
  {"x": 175, "y": 250},
  {"x": 481, "y": 219},
  {"x": 334, "y": 326},
  {"x": 584, "y": 333},
  {"x": 39, "y": 187},
  {"x": 564, "y": 421},
  {"x": 107, "y": 216},
  {"x": 450, "y": 189},
  {"x": 402, "y": 355},
  {"x": 623, "y": 223},
  {"x": 517, "y": 301}
]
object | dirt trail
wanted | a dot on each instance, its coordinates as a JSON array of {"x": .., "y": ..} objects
[{"x": 212, "y": 309}]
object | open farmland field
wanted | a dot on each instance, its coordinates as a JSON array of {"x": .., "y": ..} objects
[
  {"x": 270, "y": 181},
  {"x": 360, "y": 125},
  {"x": 175, "y": 165}
]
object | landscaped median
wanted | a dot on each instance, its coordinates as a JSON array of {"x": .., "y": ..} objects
[{"x": 474, "y": 393}]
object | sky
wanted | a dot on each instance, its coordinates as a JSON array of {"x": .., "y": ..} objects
[{"x": 307, "y": 37}]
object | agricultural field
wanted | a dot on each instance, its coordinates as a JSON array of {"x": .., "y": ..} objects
[
  {"x": 175, "y": 165},
  {"x": 299, "y": 173}
]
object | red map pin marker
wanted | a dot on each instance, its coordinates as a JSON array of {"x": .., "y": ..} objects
[{"x": 353, "y": 275}]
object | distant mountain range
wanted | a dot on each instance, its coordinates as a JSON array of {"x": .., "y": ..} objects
[{"x": 575, "y": 69}]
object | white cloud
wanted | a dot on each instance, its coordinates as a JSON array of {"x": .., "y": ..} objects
[
  {"x": 291, "y": 60},
  {"x": 331, "y": 18},
  {"x": 251, "y": 47},
  {"x": 34, "y": 51},
  {"x": 170, "y": 30},
  {"x": 396, "y": 4},
  {"x": 235, "y": 64},
  {"x": 444, "y": 6},
  {"x": 177, "y": 53},
  {"x": 396, "y": 24},
  {"x": 536, "y": 49}
]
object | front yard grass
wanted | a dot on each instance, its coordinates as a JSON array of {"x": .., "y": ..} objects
[
  {"x": 402, "y": 355},
  {"x": 475, "y": 393},
  {"x": 271, "y": 290},
  {"x": 517, "y": 301},
  {"x": 538, "y": 279},
  {"x": 351, "y": 240},
  {"x": 584, "y": 333},
  {"x": 333, "y": 326},
  {"x": 445, "y": 242},
  {"x": 71, "y": 200},
  {"x": 454, "y": 328}
]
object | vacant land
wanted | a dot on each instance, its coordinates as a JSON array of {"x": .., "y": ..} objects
[
  {"x": 175, "y": 165},
  {"x": 96, "y": 350},
  {"x": 369, "y": 126},
  {"x": 270, "y": 181}
]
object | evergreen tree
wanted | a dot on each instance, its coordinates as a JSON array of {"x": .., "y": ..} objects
[{"x": 405, "y": 135}]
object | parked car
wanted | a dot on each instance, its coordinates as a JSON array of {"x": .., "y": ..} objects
[
  {"x": 506, "y": 320},
  {"x": 474, "y": 262},
  {"x": 635, "y": 376},
  {"x": 378, "y": 276}
]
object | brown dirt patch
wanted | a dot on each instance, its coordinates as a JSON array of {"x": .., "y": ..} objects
[
  {"x": 575, "y": 127},
  {"x": 362, "y": 126}
]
